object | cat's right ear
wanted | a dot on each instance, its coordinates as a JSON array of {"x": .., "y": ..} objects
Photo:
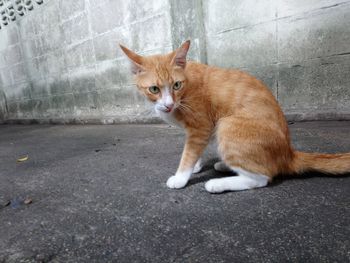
[{"x": 135, "y": 60}]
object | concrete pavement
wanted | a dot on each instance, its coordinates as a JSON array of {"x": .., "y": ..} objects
[{"x": 99, "y": 195}]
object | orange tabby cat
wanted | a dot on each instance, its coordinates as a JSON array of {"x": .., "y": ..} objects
[{"x": 251, "y": 131}]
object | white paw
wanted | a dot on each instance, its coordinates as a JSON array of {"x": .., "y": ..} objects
[
  {"x": 197, "y": 168},
  {"x": 176, "y": 182},
  {"x": 214, "y": 186},
  {"x": 221, "y": 167}
]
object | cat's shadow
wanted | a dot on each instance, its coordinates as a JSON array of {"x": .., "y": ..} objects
[{"x": 208, "y": 173}]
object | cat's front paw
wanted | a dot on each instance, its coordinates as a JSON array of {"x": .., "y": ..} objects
[
  {"x": 176, "y": 182},
  {"x": 198, "y": 167}
]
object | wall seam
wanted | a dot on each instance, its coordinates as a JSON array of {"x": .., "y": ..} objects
[
  {"x": 277, "y": 56},
  {"x": 171, "y": 14},
  {"x": 203, "y": 37}
]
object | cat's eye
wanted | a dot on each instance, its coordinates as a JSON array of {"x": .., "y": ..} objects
[
  {"x": 177, "y": 85},
  {"x": 154, "y": 89}
]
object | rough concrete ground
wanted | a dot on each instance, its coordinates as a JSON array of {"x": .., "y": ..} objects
[{"x": 99, "y": 195}]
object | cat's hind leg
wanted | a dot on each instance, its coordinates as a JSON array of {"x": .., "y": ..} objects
[
  {"x": 243, "y": 181},
  {"x": 221, "y": 167},
  {"x": 257, "y": 151}
]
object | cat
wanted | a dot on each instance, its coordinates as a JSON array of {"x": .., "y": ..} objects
[{"x": 235, "y": 107}]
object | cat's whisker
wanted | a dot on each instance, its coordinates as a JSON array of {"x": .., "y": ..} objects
[
  {"x": 189, "y": 109},
  {"x": 186, "y": 108}
]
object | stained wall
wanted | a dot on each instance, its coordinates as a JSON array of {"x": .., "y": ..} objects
[{"x": 60, "y": 61}]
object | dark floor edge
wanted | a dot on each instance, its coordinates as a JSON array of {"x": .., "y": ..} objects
[
  {"x": 291, "y": 117},
  {"x": 83, "y": 121},
  {"x": 318, "y": 116}
]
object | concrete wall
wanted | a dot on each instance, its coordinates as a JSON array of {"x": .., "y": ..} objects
[
  {"x": 60, "y": 61},
  {"x": 301, "y": 49}
]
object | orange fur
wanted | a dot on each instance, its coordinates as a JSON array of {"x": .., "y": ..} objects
[{"x": 240, "y": 110}]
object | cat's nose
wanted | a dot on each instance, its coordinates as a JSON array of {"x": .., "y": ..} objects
[{"x": 169, "y": 107}]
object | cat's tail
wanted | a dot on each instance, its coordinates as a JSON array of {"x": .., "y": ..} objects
[{"x": 335, "y": 164}]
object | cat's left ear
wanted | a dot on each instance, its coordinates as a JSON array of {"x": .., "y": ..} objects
[
  {"x": 135, "y": 59},
  {"x": 180, "y": 55}
]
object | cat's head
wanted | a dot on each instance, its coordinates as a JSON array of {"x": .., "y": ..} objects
[{"x": 161, "y": 78}]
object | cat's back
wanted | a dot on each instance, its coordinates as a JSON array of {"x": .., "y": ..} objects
[
  {"x": 226, "y": 82},
  {"x": 229, "y": 78},
  {"x": 232, "y": 91}
]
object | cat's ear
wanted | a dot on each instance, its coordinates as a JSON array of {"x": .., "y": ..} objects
[
  {"x": 180, "y": 55},
  {"x": 135, "y": 59}
]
